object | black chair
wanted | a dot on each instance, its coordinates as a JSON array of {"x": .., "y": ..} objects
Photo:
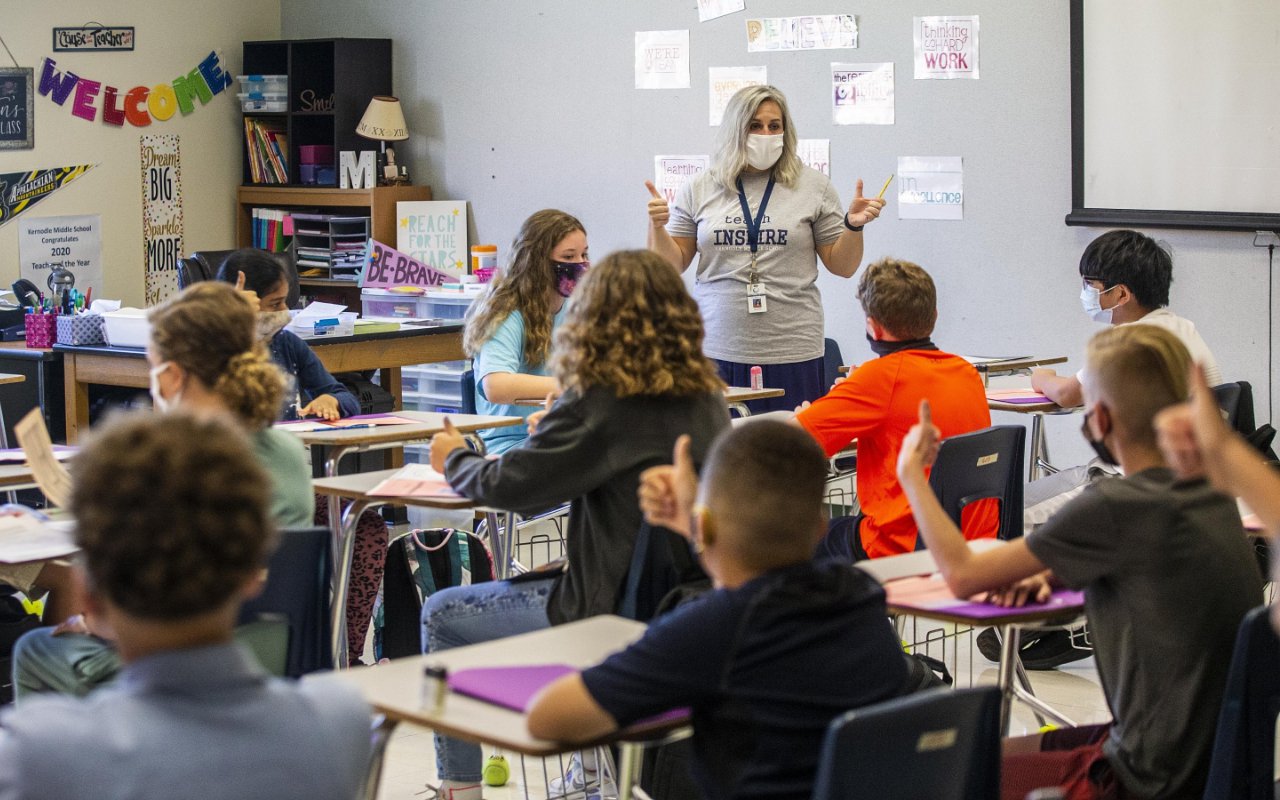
[
  {"x": 467, "y": 385},
  {"x": 979, "y": 465},
  {"x": 1228, "y": 396},
  {"x": 938, "y": 745},
  {"x": 831, "y": 362},
  {"x": 297, "y": 594},
  {"x": 1236, "y": 401},
  {"x": 1244, "y": 747},
  {"x": 203, "y": 266}
]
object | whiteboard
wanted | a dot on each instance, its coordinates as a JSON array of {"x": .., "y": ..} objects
[{"x": 1176, "y": 113}]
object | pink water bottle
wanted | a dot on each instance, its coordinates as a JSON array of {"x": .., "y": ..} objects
[{"x": 757, "y": 378}]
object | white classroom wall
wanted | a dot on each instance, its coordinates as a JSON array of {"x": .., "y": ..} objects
[
  {"x": 171, "y": 40},
  {"x": 516, "y": 106}
]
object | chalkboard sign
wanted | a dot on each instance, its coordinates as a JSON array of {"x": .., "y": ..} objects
[{"x": 16, "y": 116}]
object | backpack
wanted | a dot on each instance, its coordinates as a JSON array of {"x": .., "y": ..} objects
[
  {"x": 419, "y": 564},
  {"x": 15, "y": 620}
]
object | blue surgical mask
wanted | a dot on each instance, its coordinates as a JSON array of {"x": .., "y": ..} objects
[{"x": 1091, "y": 302}]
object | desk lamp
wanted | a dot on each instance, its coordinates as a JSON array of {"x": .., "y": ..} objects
[{"x": 383, "y": 121}]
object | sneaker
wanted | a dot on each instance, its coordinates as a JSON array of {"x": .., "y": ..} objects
[
  {"x": 581, "y": 782},
  {"x": 1038, "y": 650}
]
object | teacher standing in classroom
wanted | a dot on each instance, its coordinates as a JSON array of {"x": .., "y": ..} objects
[{"x": 759, "y": 219}]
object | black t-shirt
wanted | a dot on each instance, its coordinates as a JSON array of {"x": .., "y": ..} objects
[
  {"x": 765, "y": 668},
  {"x": 1167, "y": 575}
]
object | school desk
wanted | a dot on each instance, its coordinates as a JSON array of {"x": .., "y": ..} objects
[
  {"x": 387, "y": 352},
  {"x": 991, "y": 367},
  {"x": 356, "y": 488},
  {"x": 928, "y": 597},
  {"x": 998, "y": 400},
  {"x": 735, "y": 396},
  {"x": 395, "y": 690}
]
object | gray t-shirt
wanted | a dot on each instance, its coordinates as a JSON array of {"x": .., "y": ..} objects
[
  {"x": 1167, "y": 574},
  {"x": 797, "y": 220}
]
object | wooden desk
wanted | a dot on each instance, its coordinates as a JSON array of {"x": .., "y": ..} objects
[
  {"x": 1005, "y": 366},
  {"x": 1040, "y": 465},
  {"x": 395, "y": 689},
  {"x": 386, "y": 352},
  {"x": 737, "y": 397}
]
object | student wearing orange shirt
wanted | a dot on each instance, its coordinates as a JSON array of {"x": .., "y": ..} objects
[{"x": 877, "y": 404}]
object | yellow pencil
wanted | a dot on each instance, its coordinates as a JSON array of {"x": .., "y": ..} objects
[{"x": 885, "y": 187}]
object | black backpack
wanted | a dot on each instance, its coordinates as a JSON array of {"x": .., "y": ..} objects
[
  {"x": 419, "y": 564},
  {"x": 15, "y": 620}
]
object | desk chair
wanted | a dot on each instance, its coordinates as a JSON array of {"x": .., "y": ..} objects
[
  {"x": 937, "y": 745},
  {"x": 294, "y": 604},
  {"x": 203, "y": 266},
  {"x": 1236, "y": 401},
  {"x": 467, "y": 386},
  {"x": 1244, "y": 747},
  {"x": 977, "y": 466}
]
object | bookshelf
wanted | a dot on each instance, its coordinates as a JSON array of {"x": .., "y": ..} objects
[
  {"x": 330, "y": 84},
  {"x": 378, "y": 203}
]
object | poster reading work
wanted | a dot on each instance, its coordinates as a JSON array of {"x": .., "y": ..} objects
[
  {"x": 815, "y": 153},
  {"x": 72, "y": 243},
  {"x": 862, "y": 94},
  {"x": 434, "y": 232},
  {"x": 161, "y": 214},
  {"x": 662, "y": 60},
  {"x": 671, "y": 172},
  {"x": 727, "y": 80},
  {"x": 930, "y": 188},
  {"x": 825, "y": 32},
  {"x": 946, "y": 47},
  {"x": 711, "y": 9}
]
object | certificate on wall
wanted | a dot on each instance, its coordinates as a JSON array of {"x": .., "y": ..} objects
[
  {"x": 930, "y": 187},
  {"x": 727, "y": 80},
  {"x": 662, "y": 59},
  {"x": 862, "y": 94},
  {"x": 71, "y": 243}
]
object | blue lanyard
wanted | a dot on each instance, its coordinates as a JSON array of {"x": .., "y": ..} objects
[{"x": 753, "y": 226}]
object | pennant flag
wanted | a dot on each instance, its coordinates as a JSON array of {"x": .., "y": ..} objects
[
  {"x": 387, "y": 267},
  {"x": 22, "y": 190}
]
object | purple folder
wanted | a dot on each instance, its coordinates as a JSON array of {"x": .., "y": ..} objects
[
  {"x": 1060, "y": 599},
  {"x": 509, "y": 687}
]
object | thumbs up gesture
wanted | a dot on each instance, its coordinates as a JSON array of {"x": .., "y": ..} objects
[
  {"x": 659, "y": 210},
  {"x": 667, "y": 492},
  {"x": 444, "y": 443}
]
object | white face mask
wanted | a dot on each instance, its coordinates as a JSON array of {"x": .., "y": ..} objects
[
  {"x": 270, "y": 323},
  {"x": 763, "y": 151},
  {"x": 159, "y": 401},
  {"x": 1091, "y": 302}
]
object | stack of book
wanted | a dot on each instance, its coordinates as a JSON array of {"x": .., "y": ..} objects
[
  {"x": 331, "y": 246},
  {"x": 268, "y": 151}
]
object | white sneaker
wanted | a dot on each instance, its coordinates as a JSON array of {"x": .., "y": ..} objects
[{"x": 585, "y": 781}]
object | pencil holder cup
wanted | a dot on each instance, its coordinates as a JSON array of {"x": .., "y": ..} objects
[
  {"x": 40, "y": 329},
  {"x": 80, "y": 329}
]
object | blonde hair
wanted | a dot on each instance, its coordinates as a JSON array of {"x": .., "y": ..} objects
[
  {"x": 1138, "y": 370},
  {"x": 526, "y": 285},
  {"x": 208, "y": 330},
  {"x": 632, "y": 327},
  {"x": 731, "y": 140}
]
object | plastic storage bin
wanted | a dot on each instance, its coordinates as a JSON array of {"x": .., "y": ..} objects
[
  {"x": 128, "y": 327},
  {"x": 432, "y": 305},
  {"x": 263, "y": 84},
  {"x": 266, "y": 101}
]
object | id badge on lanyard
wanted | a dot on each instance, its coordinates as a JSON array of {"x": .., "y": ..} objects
[{"x": 757, "y": 294}]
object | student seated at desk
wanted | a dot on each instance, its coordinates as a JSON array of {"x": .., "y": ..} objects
[
  {"x": 509, "y": 327},
  {"x": 782, "y": 645},
  {"x": 1126, "y": 277},
  {"x": 629, "y": 357},
  {"x": 264, "y": 276},
  {"x": 1166, "y": 571},
  {"x": 174, "y": 529},
  {"x": 876, "y": 405},
  {"x": 206, "y": 361},
  {"x": 259, "y": 272}
]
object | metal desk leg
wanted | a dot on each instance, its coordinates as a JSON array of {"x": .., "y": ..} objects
[
  {"x": 1009, "y": 639},
  {"x": 502, "y": 540},
  {"x": 741, "y": 408},
  {"x": 1037, "y": 446},
  {"x": 380, "y": 738},
  {"x": 629, "y": 755},
  {"x": 345, "y": 532}
]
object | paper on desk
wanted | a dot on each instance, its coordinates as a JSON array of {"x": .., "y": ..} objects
[
  {"x": 1021, "y": 396},
  {"x": 52, "y": 478},
  {"x": 16, "y": 455},
  {"x": 980, "y": 360},
  {"x": 414, "y": 480},
  {"x": 306, "y": 318},
  {"x": 362, "y": 421},
  {"x": 24, "y": 539}
]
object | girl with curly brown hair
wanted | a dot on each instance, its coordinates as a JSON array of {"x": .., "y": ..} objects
[
  {"x": 629, "y": 356},
  {"x": 509, "y": 328}
]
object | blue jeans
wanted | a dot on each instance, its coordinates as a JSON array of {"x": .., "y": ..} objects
[{"x": 466, "y": 615}]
